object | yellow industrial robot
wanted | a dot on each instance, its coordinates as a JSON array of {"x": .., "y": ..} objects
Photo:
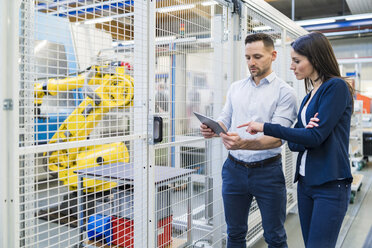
[{"x": 114, "y": 90}]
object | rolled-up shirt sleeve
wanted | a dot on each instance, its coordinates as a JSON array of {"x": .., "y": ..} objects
[
  {"x": 286, "y": 110},
  {"x": 271, "y": 100}
]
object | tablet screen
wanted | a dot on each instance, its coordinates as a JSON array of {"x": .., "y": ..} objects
[{"x": 212, "y": 124}]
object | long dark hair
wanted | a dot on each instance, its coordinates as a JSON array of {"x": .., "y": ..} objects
[{"x": 318, "y": 50}]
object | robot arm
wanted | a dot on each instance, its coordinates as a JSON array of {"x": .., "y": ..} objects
[
  {"x": 96, "y": 75},
  {"x": 115, "y": 91},
  {"x": 53, "y": 86}
]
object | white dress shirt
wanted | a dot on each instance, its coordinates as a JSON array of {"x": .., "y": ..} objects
[{"x": 273, "y": 100}]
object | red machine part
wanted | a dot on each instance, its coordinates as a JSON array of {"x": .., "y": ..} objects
[{"x": 122, "y": 232}]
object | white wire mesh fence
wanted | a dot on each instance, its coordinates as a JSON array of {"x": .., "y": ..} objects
[
  {"x": 282, "y": 38},
  {"x": 109, "y": 149}
]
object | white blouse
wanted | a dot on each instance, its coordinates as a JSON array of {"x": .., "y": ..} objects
[{"x": 303, "y": 159}]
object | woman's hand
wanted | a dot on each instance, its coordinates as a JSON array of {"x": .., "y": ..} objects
[
  {"x": 253, "y": 127},
  {"x": 313, "y": 122}
]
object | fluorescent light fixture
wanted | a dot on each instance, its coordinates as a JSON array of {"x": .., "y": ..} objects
[
  {"x": 40, "y": 45},
  {"x": 106, "y": 18},
  {"x": 255, "y": 21},
  {"x": 209, "y": 3},
  {"x": 122, "y": 43},
  {"x": 358, "y": 17},
  {"x": 185, "y": 40},
  {"x": 98, "y": 20},
  {"x": 315, "y": 21},
  {"x": 278, "y": 42},
  {"x": 175, "y": 8},
  {"x": 170, "y": 40},
  {"x": 350, "y": 32},
  {"x": 262, "y": 28},
  {"x": 165, "y": 38},
  {"x": 334, "y": 19}
]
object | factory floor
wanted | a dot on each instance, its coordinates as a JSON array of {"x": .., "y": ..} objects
[{"x": 356, "y": 225}]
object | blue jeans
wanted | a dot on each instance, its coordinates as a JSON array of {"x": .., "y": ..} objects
[
  {"x": 267, "y": 185},
  {"x": 322, "y": 209}
]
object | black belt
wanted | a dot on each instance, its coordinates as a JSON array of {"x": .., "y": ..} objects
[{"x": 256, "y": 163}]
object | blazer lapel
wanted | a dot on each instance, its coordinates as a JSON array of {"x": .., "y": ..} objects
[{"x": 299, "y": 112}]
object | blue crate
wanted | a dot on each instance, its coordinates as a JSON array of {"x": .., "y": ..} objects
[{"x": 99, "y": 227}]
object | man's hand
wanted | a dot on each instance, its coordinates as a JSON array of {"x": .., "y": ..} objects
[
  {"x": 206, "y": 131},
  {"x": 232, "y": 141}
]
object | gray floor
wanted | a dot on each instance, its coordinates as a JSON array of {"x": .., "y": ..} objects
[
  {"x": 356, "y": 225},
  {"x": 355, "y": 228}
]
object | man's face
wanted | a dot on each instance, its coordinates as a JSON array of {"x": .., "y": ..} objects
[{"x": 259, "y": 58}]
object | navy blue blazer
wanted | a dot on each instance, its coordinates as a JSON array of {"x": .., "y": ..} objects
[{"x": 328, "y": 144}]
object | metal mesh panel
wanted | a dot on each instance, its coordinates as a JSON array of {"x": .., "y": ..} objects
[
  {"x": 83, "y": 136},
  {"x": 257, "y": 23},
  {"x": 188, "y": 45},
  {"x": 98, "y": 82}
]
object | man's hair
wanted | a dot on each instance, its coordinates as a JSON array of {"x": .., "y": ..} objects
[{"x": 266, "y": 39}]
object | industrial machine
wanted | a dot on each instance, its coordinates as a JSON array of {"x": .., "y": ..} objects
[{"x": 114, "y": 89}]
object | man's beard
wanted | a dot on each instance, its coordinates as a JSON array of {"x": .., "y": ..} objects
[{"x": 259, "y": 72}]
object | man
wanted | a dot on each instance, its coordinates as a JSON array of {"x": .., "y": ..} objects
[
  {"x": 161, "y": 99},
  {"x": 254, "y": 167}
]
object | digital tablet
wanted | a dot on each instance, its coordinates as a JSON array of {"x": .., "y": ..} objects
[{"x": 212, "y": 124}]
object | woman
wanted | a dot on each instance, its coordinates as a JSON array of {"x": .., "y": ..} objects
[{"x": 323, "y": 168}]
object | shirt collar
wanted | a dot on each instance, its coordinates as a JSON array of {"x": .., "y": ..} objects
[{"x": 267, "y": 79}]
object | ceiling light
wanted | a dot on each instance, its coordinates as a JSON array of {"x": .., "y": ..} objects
[
  {"x": 315, "y": 21},
  {"x": 169, "y": 40},
  {"x": 334, "y": 19},
  {"x": 108, "y": 18},
  {"x": 122, "y": 43},
  {"x": 165, "y": 38},
  {"x": 358, "y": 17},
  {"x": 40, "y": 45},
  {"x": 175, "y": 8},
  {"x": 185, "y": 40},
  {"x": 255, "y": 21},
  {"x": 98, "y": 20},
  {"x": 262, "y": 28},
  {"x": 278, "y": 42},
  {"x": 209, "y": 3}
]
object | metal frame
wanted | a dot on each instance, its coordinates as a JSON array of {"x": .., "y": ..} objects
[
  {"x": 227, "y": 31},
  {"x": 282, "y": 25},
  {"x": 274, "y": 16},
  {"x": 27, "y": 167},
  {"x": 214, "y": 146},
  {"x": 142, "y": 11},
  {"x": 9, "y": 186},
  {"x": 151, "y": 190}
]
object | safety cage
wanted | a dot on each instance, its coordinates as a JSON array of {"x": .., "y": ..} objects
[{"x": 100, "y": 144}]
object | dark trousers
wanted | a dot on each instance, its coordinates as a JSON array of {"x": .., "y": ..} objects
[
  {"x": 322, "y": 210},
  {"x": 267, "y": 185}
]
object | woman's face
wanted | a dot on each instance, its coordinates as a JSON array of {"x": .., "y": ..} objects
[{"x": 301, "y": 66}]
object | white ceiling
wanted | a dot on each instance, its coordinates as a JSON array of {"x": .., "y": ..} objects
[{"x": 360, "y": 6}]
